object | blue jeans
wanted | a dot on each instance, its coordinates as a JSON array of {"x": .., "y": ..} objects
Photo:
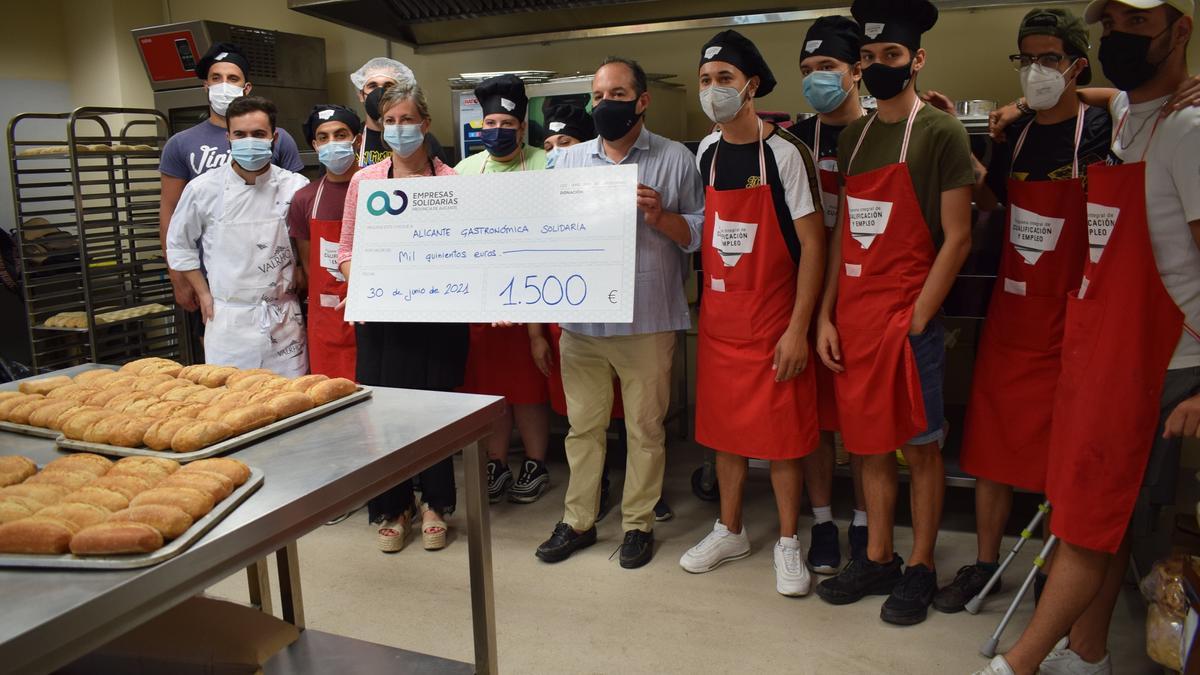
[{"x": 929, "y": 350}]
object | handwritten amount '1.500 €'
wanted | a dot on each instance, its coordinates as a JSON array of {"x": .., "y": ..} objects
[{"x": 545, "y": 290}]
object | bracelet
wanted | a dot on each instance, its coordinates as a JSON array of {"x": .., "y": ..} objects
[{"x": 1024, "y": 107}]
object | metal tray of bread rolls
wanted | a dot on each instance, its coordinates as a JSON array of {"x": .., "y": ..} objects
[
  {"x": 126, "y": 562},
  {"x": 228, "y": 445}
]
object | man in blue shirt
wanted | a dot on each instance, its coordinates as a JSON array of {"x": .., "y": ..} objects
[{"x": 670, "y": 200}]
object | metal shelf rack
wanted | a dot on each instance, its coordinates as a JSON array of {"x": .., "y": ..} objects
[{"x": 86, "y": 198}]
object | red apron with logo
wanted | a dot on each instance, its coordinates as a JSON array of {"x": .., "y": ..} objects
[
  {"x": 887, "y": 253},
  {"x": 558, "y": 397},
  {"x": 750, "y": 291},
  {"x": 827, "y": 417},
  {"x": 331, "y": 342},
  {"x": 1007, "y": 431},
  {"x": 1122, "y": 328}
]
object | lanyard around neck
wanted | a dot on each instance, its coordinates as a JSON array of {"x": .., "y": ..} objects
[
  {"x": 762, "y": 161},
  {"x": 912, "y": 116}
]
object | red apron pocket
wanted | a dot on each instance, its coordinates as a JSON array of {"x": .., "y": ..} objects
[
  {"x": 877, "y": 294},
  {"x": 1028, "y": 324},
  {"x": 728, "y": 315}
]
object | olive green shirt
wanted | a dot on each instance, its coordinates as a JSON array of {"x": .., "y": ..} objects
[
  {"x": 939, "y": 157},
  {"x": 481, "y": 162}
]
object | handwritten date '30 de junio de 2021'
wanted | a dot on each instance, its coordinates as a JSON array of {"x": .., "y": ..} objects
[{"x": 532, "y": 246}]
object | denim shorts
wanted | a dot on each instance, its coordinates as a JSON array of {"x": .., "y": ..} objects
[{"x": 929, "y": 350}]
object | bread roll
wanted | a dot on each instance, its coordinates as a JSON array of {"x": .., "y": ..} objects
[
  {"x": 212, "y": 484},
  {"x": 197, "y": 372},
  {"x": 79, "y": 422},
  {"x": 132, "y": 432},
  {"x": 137, "y": 365},
  {"x": 324, "y": 392},
  {"x": 147, "y": 382},
  {"x": 67, "y": 479},
  {"x": 35, "y": 535},
  {"x": 103, "y": 397},
  {"x": 186, "y": 373},
  {"x": 189, "y": 410},
  {"x": 199, "y": 435},
  {"x": 45, "y": 415},
  {"x": 76, "y": 514},
  {"x": 159, "y": 435},
  {"x": 45, "y": 494},
  {"x": 73, "y": 392},
  {"x": 240, "y": 375},
  {"x": 163, "y": 367},
  {"x": 207, "y": 395},
  {"x": 91, "y": 378},
  {"x": 170, "y": 466},
  {"x": 276, "y": 384},
  {"x": 248, "y": 418},
  {"x": 182, "y": 393},
  {"x": 122, "y": 380},
  {"x": 109, "y": 500},
  {"x": 20, "y": 414},
  {"x": 102, "y": 430},
  {"x": 44, "y": 385},
  {"x": 170, "y": 521},
  {"x": 116, "y": 539},
  {"x": 15, "y": 508},
  {"x": 85, "y": 462},
  {"x": 10, "y": 393},
  {"x": 119, "y": 403},
  {"x": 305, "y": 382},
  {"x": 232, "y": 399},
  {"x": 128, "y": 486},
  {"x": 233, "y": 469},
  {"x": 262, "y": 395},
  {"x": 288, "y": 403},
  {"x": 7, "y": 406},
  {"x": 173, "y": 383},
  {"x": 192, "y": 501},
  {"x": 217, "y": 376},
  {"x": 15, "y": 468},
  {"x": 164, "y": 409},
  {"x": 248, "y": 382},
  {"x": 148, "y": 472}
]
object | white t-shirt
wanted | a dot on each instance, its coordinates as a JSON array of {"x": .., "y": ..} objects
[{"x": 1172, "y": 201}]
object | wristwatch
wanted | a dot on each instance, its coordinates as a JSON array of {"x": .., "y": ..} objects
[{"x": 1024, "y": 107}]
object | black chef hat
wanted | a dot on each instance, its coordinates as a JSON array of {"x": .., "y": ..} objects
[
  {"x": 330, "y": 112},
  {"x": 737, "y": 50},
  {"x": 502, "y": 94},
  {"x": 837, "y": 37},
  {"x": 223, "y": 52},
  {"x": 571, "y": 120},
  {"x": 899, "y": 21}
]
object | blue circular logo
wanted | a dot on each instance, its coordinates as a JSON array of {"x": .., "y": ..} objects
[{"x": 375, "y": 208}]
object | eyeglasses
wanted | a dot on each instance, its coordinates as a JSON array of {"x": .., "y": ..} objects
[{"x": 1049, "y": 60}]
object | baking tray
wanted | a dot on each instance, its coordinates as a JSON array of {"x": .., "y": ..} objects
[
  {"x": 28, "y": 430},
  {"x": 125, "y": 562},
  {"x": 227, "y": 445}
]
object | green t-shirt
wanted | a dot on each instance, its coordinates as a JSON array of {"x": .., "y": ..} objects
[
  {"x": 535, "y": 158},
  {"x": 939, "y": 157}
]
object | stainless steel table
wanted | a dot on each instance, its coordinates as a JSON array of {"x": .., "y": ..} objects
[{"x": 313, "y": 473}]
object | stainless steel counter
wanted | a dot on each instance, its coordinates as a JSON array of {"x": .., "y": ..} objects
[{"x": 313, "y": 473}]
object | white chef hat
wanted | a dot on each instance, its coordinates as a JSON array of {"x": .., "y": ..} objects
[{"x": 381, "y": 65}]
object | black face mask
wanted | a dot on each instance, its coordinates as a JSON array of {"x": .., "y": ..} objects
[
  {"x": 885, "y": 82},
  {"x": 614, "y": 119},
  {"x": 372, "y": 103},
  {"x": 1125, "y": 58}
]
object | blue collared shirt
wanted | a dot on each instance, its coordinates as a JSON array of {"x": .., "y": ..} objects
[{"x": 669, "y": 168}]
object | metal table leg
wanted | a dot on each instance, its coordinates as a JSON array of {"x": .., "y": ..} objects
[
  {"x": 479, "y": 538},
  {"x": 258, "y": 579},
  {"x": 290, "y": 597}
]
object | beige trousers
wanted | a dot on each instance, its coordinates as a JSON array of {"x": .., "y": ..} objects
[{"x": 642, "y": 363}]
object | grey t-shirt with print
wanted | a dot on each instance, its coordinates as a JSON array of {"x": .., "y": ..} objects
[{"x": 205, "y": 146}]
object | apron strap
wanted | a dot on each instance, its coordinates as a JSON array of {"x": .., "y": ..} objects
[
  {"x": 816, "y": 146},
  {"x": 317, "y": 199},
  {"x": 1078, "y": 137},
  {"x": 912, "y": 116},
  {"x": 762, "y": 160}
]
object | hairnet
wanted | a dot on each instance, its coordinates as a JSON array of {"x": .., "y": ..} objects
[{"x": 381, "y": 65}]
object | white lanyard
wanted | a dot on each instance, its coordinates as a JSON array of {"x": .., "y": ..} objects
[
  {"x": 317, "y": 199},
  {"x": 1074, "y": 157},
  {"x": 912, "y": 116},
  {"x": 762, "y": 161}
]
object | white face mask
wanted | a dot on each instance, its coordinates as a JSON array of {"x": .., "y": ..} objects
[
  {"x": 221, "y": 95},
  {"x": 1042, "y": 86},
  {"x": 722, "y": 104}
]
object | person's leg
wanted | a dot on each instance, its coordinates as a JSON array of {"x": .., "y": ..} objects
[
  {"x": 818, "y": 472},
  {"x": 501, "y": 436},
  {"x": 390, "y": 504},
  {"x": 856, "y": 477},
  {"x": 533, "y": 421},
  {"x": 587, "y": 383},
  {"x": 731, "y": 476},
  {"x": 993, "y": 503},
  {"x": 926, "y": 493},
  {"x": 643, "y": 364},
  {"x": 880, "y": 487},
  {"x": 438, "y": 489},
  {"x": 1089, "y": 633},
  {"x": 787, "y": 480}
]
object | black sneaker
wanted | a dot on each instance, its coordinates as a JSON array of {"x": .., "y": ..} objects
[
  {"x": 824, "y": 551},
  {"x": 860, "y": 578},
  {"x": 564, "y": 542},
  {"x": 663, "y": 512},
  {"x": 858, "y": 542},
  {"x": 637, "y": 549},
  {"x": 910, "y": 599},
  {"x": 499, "y": 478},
  {"x": 531, "y": 484},
  {"x": 605, "y": 501},
  {"x": 967, "y": 583}
]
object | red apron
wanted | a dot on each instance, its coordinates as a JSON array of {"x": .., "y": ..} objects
[
  {"x": 887, "y": 253},
  {"x": 827, "y": 417},
  {"x": 558, "y": 397},
  {"x": 331, "y": 342},
  {"x": 1007, "y": 431},
  {"x": 1121, "y": 331},
  {"x": 750, "y": 292}
]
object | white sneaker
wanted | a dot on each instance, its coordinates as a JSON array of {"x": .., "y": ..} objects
[
  {"x": 997, "y": 666},
  {"x": 1063, "y": 661},
  {"x": 719, "y": 546},
  {"x": 792, "y": 577}
]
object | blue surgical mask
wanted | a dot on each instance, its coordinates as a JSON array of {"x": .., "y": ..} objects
[
  {"x": 823, "y": 90},
  {"x": 251, "y": 153},
  {"x": 405, "y": 139},
  {"x": 552, "y": 157},
  {"x": 337, "y": 156},
  {"x": 500, "y": 142}
]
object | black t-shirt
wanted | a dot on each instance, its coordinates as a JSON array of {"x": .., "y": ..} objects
[
  {"x": 375, "y": 150},
  {"x": 826, "y": 153},
  {"x": 1046, "y": 154},
  {"x": 794, "y": 190}
]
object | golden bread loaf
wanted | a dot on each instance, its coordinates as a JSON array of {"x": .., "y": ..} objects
[
  {"x": 128, "y": 486},
  {"x": 331, "y": 390},
  {"x": 217, "y": 376},
  {"x": 288, "y": 403},
  {"x": 192, "y": 501},
  {"x": 85, "y": 462},
  {"x": 45, "y": 415},
  {"x": 44, "y": 385},
  {"x": 233, "y": 469},
  {"x": 170, "y": 521},
  {"x": 46, "y": 494},
  {"x": 76, "y": 514},
  {"x": 115, "y": 538},
  {"x": 248, "y": 418},
  {"x": 233, "y": 379},
  {"x": 109, "y": 500},
  {"x": 15, "y": 468},
  {"x": 305, "y": 382},
  {"x": 15, "y": 508},
  {"x": 214, "y": 485},
  {"x": 68, "y": 479},
  {"x": 36, "y": 535},
  {"x": 8, "y": 404},
  {"x": 159, "y": 435},
  {"x": 199, "y": 435}
]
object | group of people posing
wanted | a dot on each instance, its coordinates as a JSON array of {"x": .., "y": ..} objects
[{"x": 827, "y": 251}]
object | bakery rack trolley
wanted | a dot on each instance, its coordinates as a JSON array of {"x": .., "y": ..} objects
[{"x": 86, "y": 193}]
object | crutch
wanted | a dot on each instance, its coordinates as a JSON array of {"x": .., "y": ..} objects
[
  {"x": 989, "y": 647},
  {"x": 976, "y": 603}
]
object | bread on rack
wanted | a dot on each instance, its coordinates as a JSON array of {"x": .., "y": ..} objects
[
  {"x": 77, "y": 514},
  {"x": 15, "y": 468},
  {"x": 9, "y": 404},
  {"x": 159, "y": 435},
  {"x": 15, "y": 507},
  {"x": 170, "y": 521},
  {"x": 20, "y": 413},
  {"x": 207, "y": 395},
  {"x": 116, "y": 538},
  {"x": 45, "y": 415},
  {"x": 248, "y": 418},
  {"x": 182, "y": 393},
  {"x": 128, "y": 486},
  {"x": 44, "y": 385},
  {"x": 199, "y": 435},
  {"x": 192, "y": 501},
  {"x": 6, "y": 395},
  {"x": 168, "y": 466},
  {"x": 217, "y": 376},
  {"x": 331, "y": 390},
  {"x": 214, "y": 485},
  {"x": 85, "y": 462},
  {"x": 68, "y": 479},
  {"x": 109, "y": 500},
  {"x": 81, "y": 420},
  {"x": 73, "y": 392},
  {"x": 47, "y": 495},
  {"x": 148, "y": 382},
  {"x": 87, "y": 377},
  {"x": 305, "y": 382},
  {"x": 288, "y": 403},
  {"x": 235, "y": 470},
  {"x": 36, "y": 535},
  {"x": 166, "y": 386},
  {"x": 233, "y": 379}
]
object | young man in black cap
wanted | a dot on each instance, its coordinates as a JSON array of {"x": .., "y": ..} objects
[
  {"x": 1039, "y": 174},
  {"x": 829, "y": 64},
  {"x": 905, "y": 235},
  {"x": 763, "y": 255},
  {"x": 191, "y": 152}
]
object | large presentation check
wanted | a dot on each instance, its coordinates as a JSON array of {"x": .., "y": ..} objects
[{"x": 529, "y": 246}]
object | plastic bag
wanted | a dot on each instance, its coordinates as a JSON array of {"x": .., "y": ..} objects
[
  {"x": 1164, "y": 584},
  {"x": 1164, "y": 638}
]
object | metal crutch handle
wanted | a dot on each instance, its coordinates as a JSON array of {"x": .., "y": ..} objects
[
  {"x": 989, "y": 648},
  {"x": 976, "y": 603}
]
